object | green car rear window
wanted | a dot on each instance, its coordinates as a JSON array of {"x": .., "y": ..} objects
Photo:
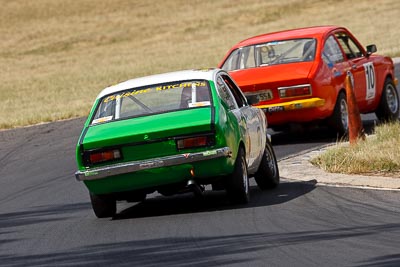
[{"x": 159, "y": 98}]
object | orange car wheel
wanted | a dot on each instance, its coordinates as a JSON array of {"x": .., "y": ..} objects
[
  {"x": 339, "y": 119},
  {"x": 388, "y": 109}
]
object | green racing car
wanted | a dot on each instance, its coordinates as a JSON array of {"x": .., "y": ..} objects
[{"x": 173, "y": 133}]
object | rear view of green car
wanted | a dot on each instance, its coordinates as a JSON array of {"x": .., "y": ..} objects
[{"x": 173, "y": 133}]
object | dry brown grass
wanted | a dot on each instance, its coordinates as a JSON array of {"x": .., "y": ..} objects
[
  {"x": 56, "y": 55},
  {"x": 377, "y": 155}
]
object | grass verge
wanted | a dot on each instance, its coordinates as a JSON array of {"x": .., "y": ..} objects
[{"x": 377, "y": 155}]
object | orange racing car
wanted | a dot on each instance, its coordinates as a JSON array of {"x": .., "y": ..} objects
[{"x": 299, "y": 76}]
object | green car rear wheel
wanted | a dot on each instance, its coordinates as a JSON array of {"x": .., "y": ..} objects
[{"x": 103, "y": 205}]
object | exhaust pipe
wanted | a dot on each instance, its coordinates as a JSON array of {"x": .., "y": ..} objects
[{"x": 195, "y": 188}]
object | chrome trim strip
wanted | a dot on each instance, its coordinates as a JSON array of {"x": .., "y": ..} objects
[
  {"x": 134, "y": 166},
  {"x": 294, "y": 86}
]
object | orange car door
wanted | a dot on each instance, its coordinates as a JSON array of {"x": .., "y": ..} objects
[
  {"x": 363, "y": 70},
  {"x": 334, "y": 59}
]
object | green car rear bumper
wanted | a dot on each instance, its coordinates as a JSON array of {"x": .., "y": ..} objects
[{"x": 149, "y": 173}]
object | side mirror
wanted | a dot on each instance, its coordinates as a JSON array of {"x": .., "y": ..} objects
[
  {"x": 371, "y": 49},
  {"x": 253, "y": 99}
]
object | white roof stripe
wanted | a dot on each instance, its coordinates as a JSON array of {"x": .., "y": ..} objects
[{"x": 208, "y": 74}]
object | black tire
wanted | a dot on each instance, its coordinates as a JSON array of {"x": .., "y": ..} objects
[
  {"x": 103, "y": 205},
  {"x": 237, "y": 184},
  {"x": 388, "y": 109},
  {"x": 339, "y": 120},
  {"x": 267, "y": 175},
  {"x": 136, "y": 197}
]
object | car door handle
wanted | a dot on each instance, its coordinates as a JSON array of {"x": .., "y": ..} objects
[{"x": 354, "y": 66}]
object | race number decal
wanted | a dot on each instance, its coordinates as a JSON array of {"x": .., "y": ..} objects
[{"x": 370, "y": 80}]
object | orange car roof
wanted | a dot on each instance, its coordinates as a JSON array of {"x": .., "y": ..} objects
[{"x": 316, "y": 31}]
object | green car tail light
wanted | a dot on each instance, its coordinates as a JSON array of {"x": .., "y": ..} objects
[
  {"x": 101, "y": 156},
  {"x": 195, "y": 142},
  {"x": 294, "y": 91}
]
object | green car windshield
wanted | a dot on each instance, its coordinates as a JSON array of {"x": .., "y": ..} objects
[
  {"x": 271, "y": 53},
  {"x": 153, "y": 99}
]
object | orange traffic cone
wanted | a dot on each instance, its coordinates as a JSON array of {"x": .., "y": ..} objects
[{"x": 356, "y": 130}]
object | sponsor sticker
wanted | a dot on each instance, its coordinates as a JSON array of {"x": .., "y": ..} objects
[
  {"x": 126, "y": 94},
  {"x": 147, "y": 90},
  {"x": 209, "y": 153},
  {"x": 90, "y": 173},
  {"x": 103, "y": 119},
  {"x": 151, "y": 164},
  {"x": 298, "y": 106},
  {"x": 275, "y": 109},
  {"x": 199, "y": 104}
]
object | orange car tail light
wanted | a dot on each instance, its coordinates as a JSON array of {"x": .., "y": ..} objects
[
  {"x": 100, "y": 156},
  {"x": 194, "y": 142},
  {"x": 294, "y": 91}
]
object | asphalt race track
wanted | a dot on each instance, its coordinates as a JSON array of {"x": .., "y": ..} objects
[{"x": 46, "y": 218}]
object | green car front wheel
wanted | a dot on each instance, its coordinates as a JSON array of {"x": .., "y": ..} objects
[
  {"x": 267, "y": 176},
  {"x": 237, "y": 184}
]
